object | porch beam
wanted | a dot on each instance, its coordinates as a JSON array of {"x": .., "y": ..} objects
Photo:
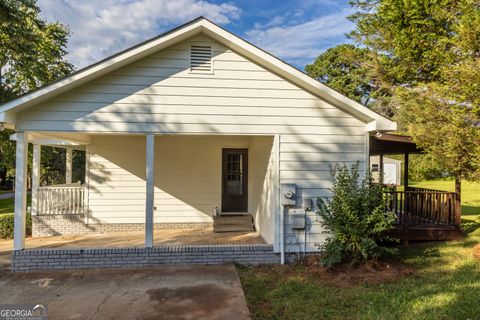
[
  {"x": 37, "y": 152},
  {"x": 48, "y": 140},
  {"x": 20, "y": 191},
  {"x": 150, "y": 179},
  {"x": 68, "y": 165}
]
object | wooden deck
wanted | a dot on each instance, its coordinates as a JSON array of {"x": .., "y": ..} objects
[{"x": 425, "y": 214}]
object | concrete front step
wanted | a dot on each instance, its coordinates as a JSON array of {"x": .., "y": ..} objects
[
  {"x": 233, "y": 223},
  {"x": 233, "y": 228}
]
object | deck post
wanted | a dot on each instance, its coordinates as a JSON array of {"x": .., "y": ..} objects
[
  {"x": 21, "y": 160},
  {"x": 37, "y": 151},
  {"x": 150, "y": 164},
  {"x": 405, "y": 172},
  {"x": 68, "y": 166},
  {"x": 405, "y": 184}
]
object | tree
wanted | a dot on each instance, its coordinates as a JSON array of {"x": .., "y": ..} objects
[
  {"x": 417, "y": 36},
  {"x": 31, "y": 50},
  {"x": 32, "y": 54},
  {"x": 350, "y": 70},
  {"x": 432, "y": 50},
  {"x": 444, "y": 119}
]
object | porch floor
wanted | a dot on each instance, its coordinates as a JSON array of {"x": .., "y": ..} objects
[{"x": 193, "y": 236}]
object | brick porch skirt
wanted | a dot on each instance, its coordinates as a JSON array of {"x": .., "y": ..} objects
[
  {"x": 59, "y": 225},
  {"x": 96, "y": 258}
]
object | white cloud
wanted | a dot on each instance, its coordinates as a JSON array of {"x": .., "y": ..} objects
[
  {"x": 102, "y": 28},
  {"x": 300, "y": 43}
]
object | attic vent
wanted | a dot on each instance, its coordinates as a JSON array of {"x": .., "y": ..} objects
[{"x": 201, "y": 59}]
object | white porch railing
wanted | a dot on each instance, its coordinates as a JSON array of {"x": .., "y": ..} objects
[{"x": 61, "y": 199}]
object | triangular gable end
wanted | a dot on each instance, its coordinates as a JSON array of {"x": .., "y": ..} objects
[{"x": 201, "y": 25}]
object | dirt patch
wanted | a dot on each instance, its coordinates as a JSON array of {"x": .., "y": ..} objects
[
  {"x": 347, "y": 275},
  {"x": 342, "y": 276},
  {"x": 476, "y": 252}
]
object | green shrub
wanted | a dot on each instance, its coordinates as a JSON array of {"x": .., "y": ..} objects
[
  {"x": 7, "y": 222},
  {"x": 355, "y": 217}
]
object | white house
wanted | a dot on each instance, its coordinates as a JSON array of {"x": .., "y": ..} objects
[{"x": 190, "y": 121}]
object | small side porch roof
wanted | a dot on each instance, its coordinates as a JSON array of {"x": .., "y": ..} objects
[{"x": 389, "y": 144}]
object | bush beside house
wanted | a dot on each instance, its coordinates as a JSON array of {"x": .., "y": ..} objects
[{"x": 355, "y": 217}]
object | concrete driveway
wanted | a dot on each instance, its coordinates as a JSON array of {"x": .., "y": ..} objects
[{"x": 190, "y": 292}]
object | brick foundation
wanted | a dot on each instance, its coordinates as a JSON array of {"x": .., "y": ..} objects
[
  {"x": 57, "y": 259},
  {"x": 57, "y": 225}
]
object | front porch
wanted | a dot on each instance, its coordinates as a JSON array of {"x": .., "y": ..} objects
[
  {"x": 136, "y": 239},
  {"x": 171, "y": 246},
  {"x": 141, "y": 192}
]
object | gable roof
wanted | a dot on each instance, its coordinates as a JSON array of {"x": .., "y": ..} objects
[{"x": 375, "y": 122}]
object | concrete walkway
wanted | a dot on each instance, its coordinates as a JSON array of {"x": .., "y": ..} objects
[{"x": 200, "y": 292}]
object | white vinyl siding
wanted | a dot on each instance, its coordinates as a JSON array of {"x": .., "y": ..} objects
[{"x": 160, "y": 95}]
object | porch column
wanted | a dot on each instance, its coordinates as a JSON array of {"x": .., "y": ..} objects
[
  {"x": 68, "y": 165},
  {"x": 20, "y": 191},
  {"x": 150, "y": 164},
  {"x": 35, "y": 177}
]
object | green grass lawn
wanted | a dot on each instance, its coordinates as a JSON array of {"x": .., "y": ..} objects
[
  {"x": 446, "y": 284},
  {"x": 7, "y": 205}
]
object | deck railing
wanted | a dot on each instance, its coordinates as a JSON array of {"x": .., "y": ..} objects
[
  {"x": 424, "y": 207},
  {"x": 61, "y": 199}
]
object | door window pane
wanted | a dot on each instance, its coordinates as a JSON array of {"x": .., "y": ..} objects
[{"x": 235, "y": 173}]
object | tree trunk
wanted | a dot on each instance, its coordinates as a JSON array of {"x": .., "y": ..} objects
[
  {"x": 458, "y": 201},
  {"x": 458, "y": 185}
]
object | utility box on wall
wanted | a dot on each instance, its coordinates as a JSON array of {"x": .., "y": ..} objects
[
  {"x": 288, "y": 194},
  {"x": 298, "y": 221}
]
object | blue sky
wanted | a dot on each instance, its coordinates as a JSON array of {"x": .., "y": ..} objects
[{"x": 295, "y": 31}]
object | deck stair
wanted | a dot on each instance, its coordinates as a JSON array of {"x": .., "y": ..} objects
[{"x": 232, "y": 223}]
